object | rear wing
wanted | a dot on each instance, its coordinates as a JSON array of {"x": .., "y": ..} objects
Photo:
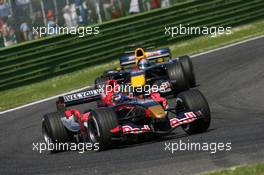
[
  {"x": 79, "y": 98},
  {"x": 129, "y": 58}
]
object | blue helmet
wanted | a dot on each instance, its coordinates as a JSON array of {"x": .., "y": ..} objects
[{"x": 142, "y": 64}]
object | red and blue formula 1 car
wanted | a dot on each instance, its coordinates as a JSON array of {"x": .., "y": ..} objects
[{"x": 123, "y": 116}]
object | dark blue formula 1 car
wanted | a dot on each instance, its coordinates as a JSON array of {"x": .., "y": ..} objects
[{"x": 152, "y": 67}]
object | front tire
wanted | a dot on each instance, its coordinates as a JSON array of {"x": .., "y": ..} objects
[
  {"x": 194, "y": 100},
  {"x": 100, "y": 124},
  {"x": 54, "y": 131}
]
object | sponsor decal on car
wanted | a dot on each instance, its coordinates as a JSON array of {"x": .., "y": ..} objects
[{"x": 82, "y": 95}]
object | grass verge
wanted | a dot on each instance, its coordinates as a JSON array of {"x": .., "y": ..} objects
[
  {"x": 29, "y": 93},
  {"x": 256, "y": 169}
]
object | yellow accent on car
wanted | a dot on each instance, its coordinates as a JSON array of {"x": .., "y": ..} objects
[
  {"x": 160, "y": 60},
  {"x": 118, "y": 68},
  {"x": 138, "y": 81},
  {"x": 139, "y": 54}
]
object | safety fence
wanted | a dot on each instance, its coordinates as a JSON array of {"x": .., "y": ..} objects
[{"x": 52, "y": 56}]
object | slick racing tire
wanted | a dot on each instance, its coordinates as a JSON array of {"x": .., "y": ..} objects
[
  {"x": 54, "y": 132},
  {"x": 177, "y": 77},
  {"x": 100, "y": 123},
  {"x": 188, "y": 69},
  {"x": 193, "y": 100}
]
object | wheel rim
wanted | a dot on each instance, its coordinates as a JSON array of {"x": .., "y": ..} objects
[
  {"x": 46, "y": 134},
  {"x": 94, "y": 132},
  {"x": 186, "y": 127},
  {"x": 180, "y": 102}
]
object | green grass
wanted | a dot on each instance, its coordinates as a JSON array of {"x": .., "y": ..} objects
[
  {"x": 203, "y": 43},
  {"x": 256, "y": 169},
  {"x": 29, "y": 93}
]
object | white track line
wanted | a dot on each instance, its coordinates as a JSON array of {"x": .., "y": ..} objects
[
  {"x": 43, "y": 100},
  {"x": 196, "y": 55},
  {"x": 229, "y": 45}
]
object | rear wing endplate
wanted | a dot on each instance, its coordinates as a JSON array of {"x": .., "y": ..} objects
[{"x": 79, "y": 98}]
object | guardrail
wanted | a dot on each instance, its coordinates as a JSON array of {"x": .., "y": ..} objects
[{"x": 61, "y": 54}]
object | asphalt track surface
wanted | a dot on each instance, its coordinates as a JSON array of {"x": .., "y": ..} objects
[{"x": 232, "y": 80}]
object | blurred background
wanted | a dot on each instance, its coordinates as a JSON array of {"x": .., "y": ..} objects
[{"x": 18, "y": 17}]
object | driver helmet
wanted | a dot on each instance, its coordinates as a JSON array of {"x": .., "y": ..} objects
[{"x": 142, "y": 64}]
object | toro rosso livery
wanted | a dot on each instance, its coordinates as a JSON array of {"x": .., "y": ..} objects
[{"x": 121, "y": 116}]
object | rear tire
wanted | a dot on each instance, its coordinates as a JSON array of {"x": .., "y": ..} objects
[
  {"x": 100, "y": 124},
  {"x": 194, "y": 100},
  {"x": 54, "y": 131},
  {"x": 177, "y": 77},
  {"x": 188, "y": 69},
  {"x": 60, "y": 105}
]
